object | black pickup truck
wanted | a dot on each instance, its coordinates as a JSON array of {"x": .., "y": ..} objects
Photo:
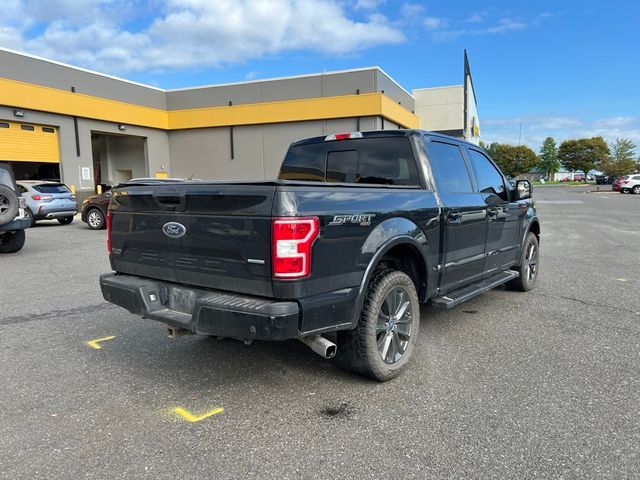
[{"x": 359, "y": 230}]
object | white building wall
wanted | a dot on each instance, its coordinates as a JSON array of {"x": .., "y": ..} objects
[{"x": 440, "y": 108}]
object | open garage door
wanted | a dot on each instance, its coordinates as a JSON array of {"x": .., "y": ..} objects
[{"x": 33, "y": 150}]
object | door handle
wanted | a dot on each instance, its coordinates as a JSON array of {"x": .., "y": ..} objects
[
  {"x": 492, "y": 213},
  {"x": 454, "y": 218}
]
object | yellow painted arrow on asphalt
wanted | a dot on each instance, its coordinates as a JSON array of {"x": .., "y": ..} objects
[
  {"x": 190, "y": 417},
  {"x": 95, "y": 343}
]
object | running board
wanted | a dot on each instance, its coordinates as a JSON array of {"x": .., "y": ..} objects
[{"x": 463, "y": 294}]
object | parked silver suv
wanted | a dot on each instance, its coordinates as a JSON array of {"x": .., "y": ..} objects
[{"x": 48, "y": 201}]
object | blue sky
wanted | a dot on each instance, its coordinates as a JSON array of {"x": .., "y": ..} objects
[{"x": 566, "y": 69}]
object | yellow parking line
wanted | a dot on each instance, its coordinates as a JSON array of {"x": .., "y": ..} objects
[
  {"x": 190, "y": 417},
  {"x": 95, "y": 343}
]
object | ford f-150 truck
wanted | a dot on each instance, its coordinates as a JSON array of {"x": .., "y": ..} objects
[{"x": 357, "y": 232}]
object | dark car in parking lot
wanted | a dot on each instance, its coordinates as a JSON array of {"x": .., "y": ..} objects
[{"x": 94, "y": 210}]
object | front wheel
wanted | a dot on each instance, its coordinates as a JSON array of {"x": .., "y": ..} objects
[
  {"x": 65, "y": 220},
  {"x": 11, "y": 242},
  {"x": 636, "y": 190},
  {"x": 382, "y": 343},
  {"x": 529, "y": 265}
]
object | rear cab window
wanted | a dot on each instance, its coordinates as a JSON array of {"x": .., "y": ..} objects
[
  {"x": 368, "y": 160},
  {"x": 51, "y": 188}
]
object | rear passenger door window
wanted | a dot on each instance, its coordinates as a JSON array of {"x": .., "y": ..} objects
[
  {"x": 451, "y": 167},
  {"x": 488, "y": 177}
]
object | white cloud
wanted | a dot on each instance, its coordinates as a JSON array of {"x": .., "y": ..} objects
[
  {"x": 475, "y": 17},
  {"x": 546, "y": 15},
  {"x": 535, "y": 128},
  {"x": 503, "y": 25},
  {"x": 434, "y": 23},
  {"x": 368, "y": 4},
  {"x": 188, "y": 33},
  {"x": 411, "y": 10}
]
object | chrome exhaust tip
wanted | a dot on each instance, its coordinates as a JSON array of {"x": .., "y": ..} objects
[{"x": 320, "y": 345}]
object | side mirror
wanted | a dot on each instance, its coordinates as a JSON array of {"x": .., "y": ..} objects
[{"x": 523, "y": 189}]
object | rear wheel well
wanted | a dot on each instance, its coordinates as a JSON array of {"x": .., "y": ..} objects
[{"x": 407, "y": 258}]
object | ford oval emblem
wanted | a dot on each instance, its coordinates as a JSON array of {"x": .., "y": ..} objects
[{"x": 174, "y": 229}]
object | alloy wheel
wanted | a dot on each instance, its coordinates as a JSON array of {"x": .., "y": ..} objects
[
  {"x": 94, "y": 219},
  {"x": 531, "y": 260},
  {"x": 393, "y": 329}
]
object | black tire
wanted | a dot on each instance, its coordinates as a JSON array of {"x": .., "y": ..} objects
[
  {"x": 379, "y": 333},
  {"x": 636, "y": 190},
  {"x": 65, "y": 220},
  {"x": 529, "y": 265},
  {"x": 8, "y": 205},
  {"x": 29, "y": 216},
  {"x": 11, "y": 242},
  {"x": 95, "y": 219}
]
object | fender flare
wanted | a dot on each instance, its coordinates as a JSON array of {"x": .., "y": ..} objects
[
  {"x": 527, "y": 228},
  {"x": 373, "y": 263}
]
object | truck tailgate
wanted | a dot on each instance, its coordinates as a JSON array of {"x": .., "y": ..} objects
[{"x": 213, "y": 235}]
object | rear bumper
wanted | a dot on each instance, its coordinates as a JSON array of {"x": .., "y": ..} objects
[
  {"x": 208, "y": 312},
  {"x": 51, "y": 213}
]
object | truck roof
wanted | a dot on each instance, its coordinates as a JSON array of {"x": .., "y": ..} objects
[{"x": 403, "y": 132}]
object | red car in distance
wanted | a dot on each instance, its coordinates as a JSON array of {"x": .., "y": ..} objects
[{"x": 618, "y": 181}]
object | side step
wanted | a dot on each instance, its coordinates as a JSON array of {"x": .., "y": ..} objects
[{"x": 463, "y": 294}]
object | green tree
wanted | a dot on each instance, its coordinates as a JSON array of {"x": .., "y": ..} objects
[
  {"x": 513, "y": 160},
  {"x": 622, "y": 159},
  {"x": 549, "y": 162},
  {"x": 584, "y": 154}
]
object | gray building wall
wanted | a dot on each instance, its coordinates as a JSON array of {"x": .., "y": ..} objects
[
  {"x": 156, "y": 144},
  {"x": 292, "y": 88},
  {"x": 205, "y": 153},
  {"x": 38, "y": 71}
]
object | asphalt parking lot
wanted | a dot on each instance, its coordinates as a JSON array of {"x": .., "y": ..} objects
[{"x": 509, "y": 385}]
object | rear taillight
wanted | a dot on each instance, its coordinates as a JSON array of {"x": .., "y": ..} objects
[
  {"x": 109, "y": 233},
  {"x": 46, "y": 198},
  {"x": 292, "y": 241}
]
